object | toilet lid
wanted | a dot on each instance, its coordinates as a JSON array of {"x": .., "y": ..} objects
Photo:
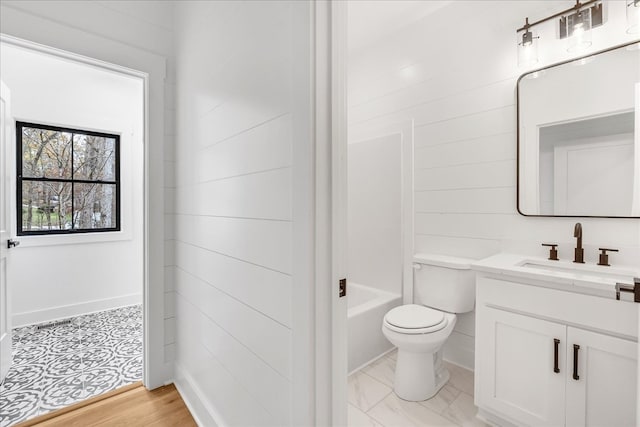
[{"x": 413, "y": 316}]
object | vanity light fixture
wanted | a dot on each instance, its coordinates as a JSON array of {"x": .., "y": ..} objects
[
  {"x": 575, "y": 25},
  {"x": 527, "y": 46},
  {"x": 633, "y": 16}
]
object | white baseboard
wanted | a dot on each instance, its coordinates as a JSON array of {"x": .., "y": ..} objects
[
  {"x": 71, "y": 310},
  {"x": 364, "y": 365},
  {"x": 193, "y": 397},
  {"x": 493, "y": 420}
]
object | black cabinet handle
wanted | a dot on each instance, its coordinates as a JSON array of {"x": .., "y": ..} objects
[
  {"x": 576, "y": 347},
  {"x": 556, "y": 343}
]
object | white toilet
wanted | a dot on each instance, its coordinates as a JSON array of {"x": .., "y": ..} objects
[{"x": 442, "y": 286}]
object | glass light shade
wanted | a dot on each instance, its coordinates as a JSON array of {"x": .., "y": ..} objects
[
  {"x": 633, "y": 16},
  {"x": 580, "y": 38},
  {"x": 527, "y": 48}
]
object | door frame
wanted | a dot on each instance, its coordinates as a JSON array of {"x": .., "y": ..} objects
[
  {"x": 326, "y": 330},
  {"x": 155, "y": 372},
  {"x": 339, "y": 218},
  {"x": 7, "y": 193}
]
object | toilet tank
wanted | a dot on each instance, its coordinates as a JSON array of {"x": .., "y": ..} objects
[{"x": 444, "y": 283}]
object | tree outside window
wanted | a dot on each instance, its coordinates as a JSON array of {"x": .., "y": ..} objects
[{"x": 68, "y": 180}]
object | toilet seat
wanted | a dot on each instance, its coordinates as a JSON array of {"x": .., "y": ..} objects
[{"x": 415, "y": 319}]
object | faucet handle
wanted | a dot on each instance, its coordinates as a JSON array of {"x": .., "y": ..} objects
[
  {"x": 553, "y": 252},
  {"x": 604, "y": 257}
]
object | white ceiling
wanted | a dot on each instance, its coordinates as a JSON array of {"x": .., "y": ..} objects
[{"x": 370, "y": 20}]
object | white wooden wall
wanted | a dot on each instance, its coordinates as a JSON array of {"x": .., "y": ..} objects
[{"x": 233, "y": 210}]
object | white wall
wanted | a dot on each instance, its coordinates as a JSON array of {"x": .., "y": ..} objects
[
  {"x": 234, "y": 291},
  {"x": 458, "y": 84},
  {"x": 138, "y": 35},
  {"x": 375, "y": 213},
  {"x": 61, "y": 276}
]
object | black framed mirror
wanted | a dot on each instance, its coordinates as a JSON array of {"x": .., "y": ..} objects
[{"x": 578, "y": 139}]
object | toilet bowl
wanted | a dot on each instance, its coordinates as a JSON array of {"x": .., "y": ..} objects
[
  {"x": 419, "y": 336},
  {"x": 420, "y": 330}
]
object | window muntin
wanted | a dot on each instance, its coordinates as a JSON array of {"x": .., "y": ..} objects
[{"x": 68, "y": 180}]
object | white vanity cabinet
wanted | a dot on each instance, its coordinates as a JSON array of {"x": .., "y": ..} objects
[
  {"x": 605, "y": 392},
  {"x": 525, "y": 337},
  {"x": 516, "y": 363}
]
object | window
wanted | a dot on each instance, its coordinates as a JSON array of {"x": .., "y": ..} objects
[{"x": 68, "y": 180}]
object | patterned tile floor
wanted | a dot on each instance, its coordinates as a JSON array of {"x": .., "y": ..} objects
[{"x": 65, "y": 364}]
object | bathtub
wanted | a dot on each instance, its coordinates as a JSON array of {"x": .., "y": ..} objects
[{"x": 366, "y": 307}]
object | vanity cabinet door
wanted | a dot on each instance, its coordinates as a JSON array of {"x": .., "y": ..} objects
[
  {"x": 520, "y": 377},
  {"x": 604, "y": 393}
]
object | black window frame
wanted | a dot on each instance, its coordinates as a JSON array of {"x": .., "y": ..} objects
[{"x": 20, "y": 179}]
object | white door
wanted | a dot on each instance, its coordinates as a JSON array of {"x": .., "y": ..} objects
[
  {"x": 6, "y": 225},
  {"x": 603, "y": 390},
  {"x": 524, "y": 366},
  {"x": 585, "y": 173}
]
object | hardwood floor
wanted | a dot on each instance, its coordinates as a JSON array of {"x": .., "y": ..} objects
[{"x": 131, "y": 406}]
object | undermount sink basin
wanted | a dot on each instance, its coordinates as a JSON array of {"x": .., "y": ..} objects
[
  {"x": 580, "y": 271},
  {"x": 587, "y": 278}
]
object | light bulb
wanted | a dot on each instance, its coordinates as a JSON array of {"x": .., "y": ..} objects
[
  {"x": 527, "y": 49},
  {"x": 580, "y": 38}
]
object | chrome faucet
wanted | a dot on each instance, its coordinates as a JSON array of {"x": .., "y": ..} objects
[{"x": 579, "y": 252}]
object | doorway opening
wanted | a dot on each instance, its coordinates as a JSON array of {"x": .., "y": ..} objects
[
  {"x": 387, "y": 113},
  {"x": 75, "y": 212}
]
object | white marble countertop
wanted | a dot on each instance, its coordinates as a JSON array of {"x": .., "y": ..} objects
[{"x": 583, "y": 278}]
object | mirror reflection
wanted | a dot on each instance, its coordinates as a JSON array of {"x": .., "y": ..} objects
[{"x": 578, "y": 148}]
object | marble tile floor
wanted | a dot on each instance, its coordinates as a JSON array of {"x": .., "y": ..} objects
[
  {"x": 372, "y": 402},
  {"x": 62, "y": 365}
]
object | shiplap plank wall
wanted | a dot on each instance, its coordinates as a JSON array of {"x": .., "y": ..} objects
[
  {"x": 233, "y": 224},
  {"x": 457, "y": 82}
]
